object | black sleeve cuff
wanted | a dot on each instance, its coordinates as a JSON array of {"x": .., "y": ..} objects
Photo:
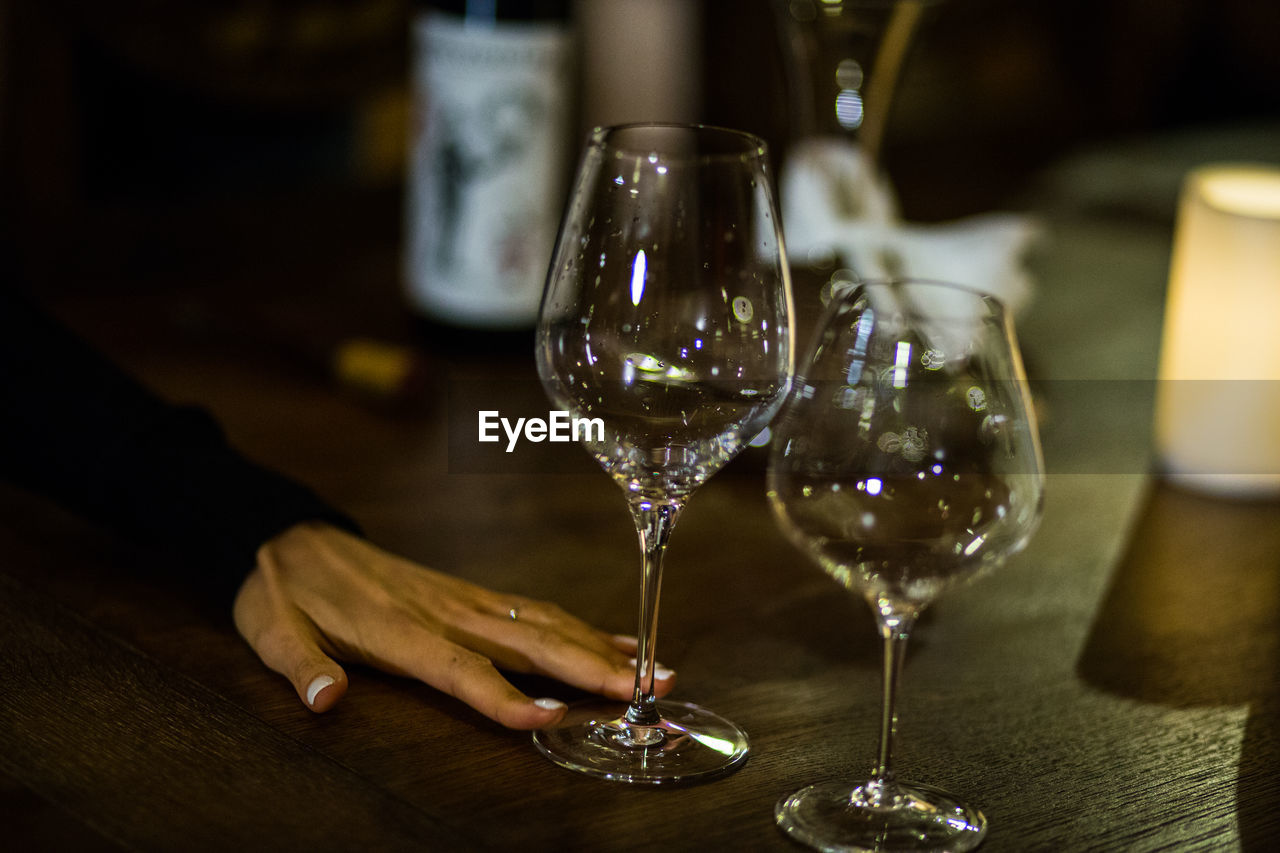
[{"x": 80, "y": 431}]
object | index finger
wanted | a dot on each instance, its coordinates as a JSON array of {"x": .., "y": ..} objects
[{"x": 557, "y": 645}]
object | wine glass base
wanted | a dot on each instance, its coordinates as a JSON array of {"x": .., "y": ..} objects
[
  {"x": 841, "y": 817},
  {"x": 689, "y": 744}
]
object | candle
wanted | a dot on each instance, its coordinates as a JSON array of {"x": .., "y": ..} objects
[{"x": 1217, "y": 424}]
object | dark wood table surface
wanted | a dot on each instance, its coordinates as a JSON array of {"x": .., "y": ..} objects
[{"x": 1113, "y": 688}]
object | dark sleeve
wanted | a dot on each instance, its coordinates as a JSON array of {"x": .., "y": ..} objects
[{"x": 77, "y": 429}]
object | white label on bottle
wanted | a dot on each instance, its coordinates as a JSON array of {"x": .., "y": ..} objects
[{"x": 486, "y": 170}]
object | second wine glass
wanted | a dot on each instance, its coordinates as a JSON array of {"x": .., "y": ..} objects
[
  {"x": 907, "y": 460},
  {"x": 667, "y": 317}
]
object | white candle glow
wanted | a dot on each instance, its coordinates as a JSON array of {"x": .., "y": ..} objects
[{"x": 1217, "y": 424}]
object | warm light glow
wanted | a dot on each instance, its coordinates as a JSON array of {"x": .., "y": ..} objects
[
  {"x": 1218, "y": 400},
  {"x": 1245, "y": 191}
]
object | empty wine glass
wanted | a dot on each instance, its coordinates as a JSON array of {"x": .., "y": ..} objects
[
  {"x": 666, "y": 315},
  {"x": 906, "y": 459}
]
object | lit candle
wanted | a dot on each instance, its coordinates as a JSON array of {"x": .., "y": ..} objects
[{"x": 1218, "y": 401}]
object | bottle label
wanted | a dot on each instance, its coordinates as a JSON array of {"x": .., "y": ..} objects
[{"x": 486, "y": 171}]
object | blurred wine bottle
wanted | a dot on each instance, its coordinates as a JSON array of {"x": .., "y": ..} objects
[{"x": 490, "y": 145}]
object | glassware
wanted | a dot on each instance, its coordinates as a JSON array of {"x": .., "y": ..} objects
[
  {"x": 667, "y": 316},
  {"x": 843, "y": 59},
  {"x": 842, "y": 62},
  {"x": 906, "y": 460}
]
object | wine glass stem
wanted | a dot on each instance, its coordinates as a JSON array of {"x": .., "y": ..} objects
[
  {"x": 654, "y": 521},
  {"x": 894, "y": 629}
]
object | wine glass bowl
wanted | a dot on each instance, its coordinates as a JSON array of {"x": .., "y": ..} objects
[
  {"x": 906, "y": 460},
  {"x": 666, "y": 316}
]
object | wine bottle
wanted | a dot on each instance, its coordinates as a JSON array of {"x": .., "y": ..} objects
[{"x": 489, "y": 155}]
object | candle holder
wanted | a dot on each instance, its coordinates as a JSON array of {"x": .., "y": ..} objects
[{"x": 1217, "y": 422}]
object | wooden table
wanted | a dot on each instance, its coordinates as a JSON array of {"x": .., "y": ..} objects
[{"x": 1114, "y": 688}]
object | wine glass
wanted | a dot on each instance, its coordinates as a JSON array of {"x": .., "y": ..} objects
[
  {"x": 666, "y": 315},
  {"x": 905, "y": 460}
]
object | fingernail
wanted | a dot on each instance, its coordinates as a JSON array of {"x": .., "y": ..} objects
[
  {"x": 660, "y": 672},
  {"x": 549, "y": 704},
  {"x": 626, "y": 639},
  {"x": 320, "y": 682}
]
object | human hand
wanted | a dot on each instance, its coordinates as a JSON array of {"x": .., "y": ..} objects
[{"x": 319, "y": 594}]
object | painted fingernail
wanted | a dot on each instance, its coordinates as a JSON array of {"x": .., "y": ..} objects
[
  {"x": 320, "y": 682},
  {"x": 549, "y": 704},
  {"x": 660, "y": 672}
]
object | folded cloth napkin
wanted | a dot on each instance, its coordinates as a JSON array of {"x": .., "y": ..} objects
[{"x": 834, "y": 201}]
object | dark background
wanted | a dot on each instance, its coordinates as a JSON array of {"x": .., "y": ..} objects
[{"x": 140, "y": 139}]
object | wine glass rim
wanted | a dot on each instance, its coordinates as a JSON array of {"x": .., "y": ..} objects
[
  {"x": 751, "y": 144},
  {"x": 898, "y": 281}
]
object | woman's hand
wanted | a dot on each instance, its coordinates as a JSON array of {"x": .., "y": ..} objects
[{"x": 319, "y": 594}]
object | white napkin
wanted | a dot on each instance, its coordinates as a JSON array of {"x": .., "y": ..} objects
[{"x": 832, "y": 200}]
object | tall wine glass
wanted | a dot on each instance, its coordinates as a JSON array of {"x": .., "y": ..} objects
[
  {"x": 905, "y": 461},
  {"x": 667, "y": 316}
]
